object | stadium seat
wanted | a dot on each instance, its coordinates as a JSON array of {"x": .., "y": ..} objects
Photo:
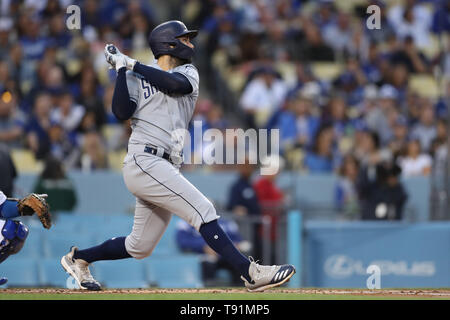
[
  {"x": 25, "y": 161},
  {"x": 127, "y": 273},
  {"x": 424, "y": 85},
  {"x": 167, "y": 245},
  {"x": 58, "y": 244},
  {"x": 115, "y": 159},
  {"x": 66, "y": 222},
  {"x": 236, "y": 80},
  {"x": 112, "y": 226},
  {"x": 51, "y": 273},
  {"x": 33, "y": 247},
  {"x": 176, "y": 271},
  {"x": 21, "y": 272},
  {"x": 326, "y": 70}
]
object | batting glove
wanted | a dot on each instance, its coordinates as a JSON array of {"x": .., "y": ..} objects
[{"x": 117, "y": 59}]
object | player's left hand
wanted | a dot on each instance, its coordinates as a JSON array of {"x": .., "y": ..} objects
[
  {"x": 117, "y": 59},
  {"x": 36, "y": 203}
]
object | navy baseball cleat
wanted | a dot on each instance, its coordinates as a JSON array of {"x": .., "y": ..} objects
[
  {"x": 3, "y": 281},
  {"x": 79, "y": 270},
  {"x": 266, "y": 277}
]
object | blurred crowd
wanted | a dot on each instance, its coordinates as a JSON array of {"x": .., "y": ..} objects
[
  {"x": 56, "y": 89},
  {"x": 366, "y": 122}
]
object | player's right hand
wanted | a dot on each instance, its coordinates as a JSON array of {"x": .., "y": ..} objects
[{"x": 117, "y": 59}]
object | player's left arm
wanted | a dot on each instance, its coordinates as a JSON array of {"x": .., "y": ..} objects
[
  {"x": 29, "y": 205},
  {"x": 172, "y": 83}
]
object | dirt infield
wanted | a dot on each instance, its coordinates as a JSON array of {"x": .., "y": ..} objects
[{"x": 441, "y": 293}]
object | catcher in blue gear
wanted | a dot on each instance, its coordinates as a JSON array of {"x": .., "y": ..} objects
[{"x": 13, "y": 233}]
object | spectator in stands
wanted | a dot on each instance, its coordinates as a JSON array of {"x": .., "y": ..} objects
[
  {"x": 242, "y": 198},
  {"x": 351, "y": 82},
  {"x": 297, "y": 124},
  {"x": 400, "y": 136},
  {"x": 346, "y": 195},
  {"x": 412, "y": 19},
  {"x": 8, "y": 171},
  {"x": 378, "y": 118},
  {"x": 263, "y": 95},
  {"x": 312, "y": 47},
  {"x": 370, "y": 64},
  {"x": 93, "y": 154},
  {"x": 319, "y": 159},
  {"x": 441, "y": 20},
  {"x": 189, "y": 240},
  {"x": 271, "y": 198},
  {"x": 67, "y": 113},
  {"x": 382, "y": 197},
  {"x": 60, "y": 189},
  {"x": 90, "y": 96},
  {"x": 441, "y": 136},
  {"x": 407, "y": 54},
  {"x": 62, "y": 146},
  {"x": 425, "y": 131},
  {"x": 38, "y": 126},
  {"x": 32, "y": 42},
  {"x": 370, "y": 153},
  {"x": 243, "y": 201},
  {"x": 335, "y": 114},
  {"x": 6, "y": 26},
  {"x": 325, "y": 14},
  {"x": 12, "y": 120},
  {"x": 415, "y": 163},
  {"x": 339, "y": 34},
  {"x": 58, "y": 36}
]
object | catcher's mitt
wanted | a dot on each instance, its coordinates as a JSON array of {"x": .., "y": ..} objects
[{"x": 35, "y": 203}]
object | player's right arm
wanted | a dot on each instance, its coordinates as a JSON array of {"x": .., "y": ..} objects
[{"x": 123, "y": 106}]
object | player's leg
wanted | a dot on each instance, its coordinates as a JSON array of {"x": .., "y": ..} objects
[
  {"x": 157, "y": 181},
  {"x": 150, "y": 222},
  {"x": 12, "y": 238}
]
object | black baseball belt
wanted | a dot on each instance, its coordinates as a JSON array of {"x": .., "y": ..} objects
[{"x": 154, "y": 151}]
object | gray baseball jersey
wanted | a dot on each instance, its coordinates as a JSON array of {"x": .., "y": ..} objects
[
  {"x": 159, "y": 187},
  {"x": 159, "y": 115}
]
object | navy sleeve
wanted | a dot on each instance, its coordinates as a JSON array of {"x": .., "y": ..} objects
[
  {"x": 172, "y": 83},
  {"x": 122, "y": 107}
]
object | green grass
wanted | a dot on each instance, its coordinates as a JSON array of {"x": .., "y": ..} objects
[{"x": 203, "y": 296}]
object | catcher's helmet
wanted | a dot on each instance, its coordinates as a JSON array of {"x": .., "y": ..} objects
[{"x": 164, "y": 40}]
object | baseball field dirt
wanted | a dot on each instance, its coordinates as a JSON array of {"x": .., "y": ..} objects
[{"x": 222, "y": 294}]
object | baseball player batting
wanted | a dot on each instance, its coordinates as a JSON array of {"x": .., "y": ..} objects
[{"x": 160, "y": 99}]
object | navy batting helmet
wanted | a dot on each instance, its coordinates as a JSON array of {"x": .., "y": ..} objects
[{"x": 164, "y": 40}]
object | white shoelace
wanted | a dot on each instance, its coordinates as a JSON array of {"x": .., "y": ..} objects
[{"x": 262, "y": 271}]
